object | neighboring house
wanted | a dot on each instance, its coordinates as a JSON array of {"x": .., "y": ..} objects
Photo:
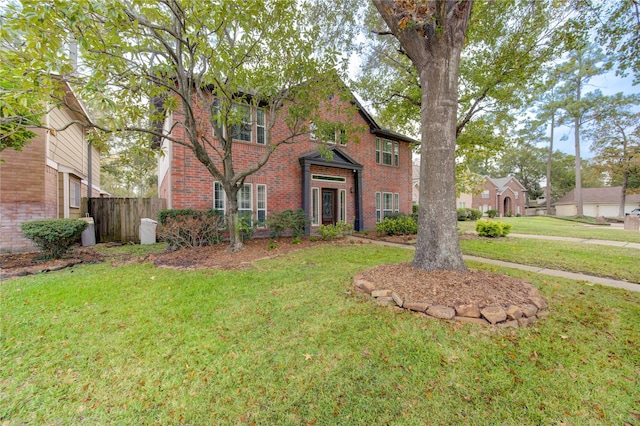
[
  {"x": 596, "y": 202},
  {"x": 506, "y": 195},
  {"x": 48, "y": 178},
  {"x": 361, "y": 184},
  {"x": 464, "y": 200}
]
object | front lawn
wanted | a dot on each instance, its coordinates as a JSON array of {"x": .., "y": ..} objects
[
  {"x": 545, "y": 225},
  {"x": 288, "y": 342},
  {"x": 606, "y": 261}
]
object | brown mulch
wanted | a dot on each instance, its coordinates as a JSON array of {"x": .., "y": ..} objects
[{"x": 440, "y": 287}]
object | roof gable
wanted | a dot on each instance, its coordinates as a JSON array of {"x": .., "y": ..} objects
[{"x": 338, "y": 159}]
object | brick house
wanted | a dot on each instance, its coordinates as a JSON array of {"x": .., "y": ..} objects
[
  {"x": 359, "y": 185},
  {"x": 47, "y": 179},
  {"x": 506, "y": 195}
]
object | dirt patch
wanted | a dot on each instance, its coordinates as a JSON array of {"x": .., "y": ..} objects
[
  {"x": 27, "y": 263},
  {"x": 219, "y": 258}
]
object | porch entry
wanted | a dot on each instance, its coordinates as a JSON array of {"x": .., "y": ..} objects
[{"x": 329, "y": 210}]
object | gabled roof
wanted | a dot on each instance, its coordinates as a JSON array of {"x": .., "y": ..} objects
[
  {"x": 501, "y": 183},
  {"x": 338, "y": 159},
  {"x": 610, "y": 194},
  {"x": 376, "y": 129}
]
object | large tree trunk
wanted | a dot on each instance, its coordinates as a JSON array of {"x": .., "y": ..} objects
[
  {"x": 437, "y": 245},
  {"x": 432, "y": 37},
  {"x": 235, "y": 240}
]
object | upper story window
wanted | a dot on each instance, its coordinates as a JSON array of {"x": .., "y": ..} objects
[
  {"x": 387, "y": 152},
  {"x": 515, "y": 194},
  {"x": 253, "y": 124},
  {"x": 485, "y": 193}
]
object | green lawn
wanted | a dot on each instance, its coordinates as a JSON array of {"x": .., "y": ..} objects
[
  {"x": 287, "y": 342},
  {"x": 615, "y": 262},
  {"x": 544, "y": 225}
]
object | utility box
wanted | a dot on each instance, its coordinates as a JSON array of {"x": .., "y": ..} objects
[
  {"x": 148, "y": 231},
  {"x": 632, "y": 223},
  {"x": 88, "y": 236}
]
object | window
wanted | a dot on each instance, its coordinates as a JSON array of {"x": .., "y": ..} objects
[
  {"x": 312, "y": 131},
  {"x": 387, "y": 204},
  {"x": 396, "y": 203},
  {"x": 396, "y": 154},
  {"x": 315, "y": 206},
  {"x": 329, "y": 178},
  {"x": 244, "y": 199},
  {"x": 260, "y": 127},
  {"x": 485, "y": 193},
  {"x": 219, "y": 198},
  {"x": 74, "y": 194},
  {"x": 387, "y": 148},
  {"x": 378, "y": 207},
  {"x": 387, "y": 152},
  {"x": 342, "y": 137},
  {"x": 343, "y": 205},
  {"x": 461, "y": 205},
  {"x": 515, "y": 194},
  {"x": 242, "y": 131},
  {"x": 261, "y": 203}
]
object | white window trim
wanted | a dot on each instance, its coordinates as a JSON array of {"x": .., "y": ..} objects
[
  {"x": 75, "y": 188},
  {"x": 258, "y": 209},
  {"x": 383, "y": 209},
  {"x": 378, "y": 207},
  {"x": 224, "y": 198},
  {"x": 396, "y": 202},
  {"x": 246, "y": 185},
  {"x": 315, "y": 210},
  {"x": 262, "y": 126},
  {"x": 343, "y": 205},
  {"x": 312, "y": 131},
  {"x": 485, "y": 194}
]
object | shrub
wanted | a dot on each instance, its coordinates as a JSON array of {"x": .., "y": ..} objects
[
  {"x": 466, "y": 213},
  {"x": 54, "y": 236},
  {"x": 331, "y": 232},
  {"x": 183, "y": 228},
  {"x": 414, "y": 209},
  {"x": 287, "y": 220},
  {"x": 492, "y": 229},
  {"x": 399, "y": 225},
  {"x": 492, "y": 213},
  {"x": 246, "y": 225}
]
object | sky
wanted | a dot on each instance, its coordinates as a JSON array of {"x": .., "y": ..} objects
[{"x": 608, "y": 84}]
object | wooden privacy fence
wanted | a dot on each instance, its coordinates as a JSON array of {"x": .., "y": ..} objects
[{"x": 118, "y": 219}]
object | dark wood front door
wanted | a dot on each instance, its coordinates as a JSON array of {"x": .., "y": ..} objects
[{"x": 328, "y": 206}]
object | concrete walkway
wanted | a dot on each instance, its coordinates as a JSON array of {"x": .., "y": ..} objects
[{"x": 609, "y": 282}]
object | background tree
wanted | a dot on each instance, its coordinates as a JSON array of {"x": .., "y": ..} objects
[
  {"x": 432, "y": 36},
  {"x": 508, "y": 44},
  {"x": 583, "y": 63},
  {"x": 207, "y": 62},
  {"x": 526, "y": 162},
  {"x": 614, "y": 132}
]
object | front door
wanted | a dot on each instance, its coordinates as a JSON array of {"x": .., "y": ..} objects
[{"x": 328, "y": 206}]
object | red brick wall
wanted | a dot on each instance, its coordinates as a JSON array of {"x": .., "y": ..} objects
[
  {"x": 192, "y": 184},
  {"x": 24, "y": 180},
  {"x": 496, "y": 202}
]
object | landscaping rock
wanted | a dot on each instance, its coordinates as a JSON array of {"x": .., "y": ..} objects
[
  {"x": 396, "y": 298},
  {"x": 470, "y": 320},
  {"x": 365, "y": 286},
  {"x": 469, "y": 311},
  {"x": 442, "y": 312},
  {"x": 418, "y": 307},
  {"x": 542, "y": 314},
  {"x": 529, "y": 310},
  {"x": 508, "y": 324},
  {"x": 381, "y": 293},
  {"x": 539, "y": 302},
  {"x": 514, "y": 312},
  {"x": 385, "y": 300},
  {"x": 527, "y": 322},
  {"x": 494, "y": 314}
]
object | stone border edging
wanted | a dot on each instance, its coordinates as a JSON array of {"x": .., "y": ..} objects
[{"x": 514, "y": 316}]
